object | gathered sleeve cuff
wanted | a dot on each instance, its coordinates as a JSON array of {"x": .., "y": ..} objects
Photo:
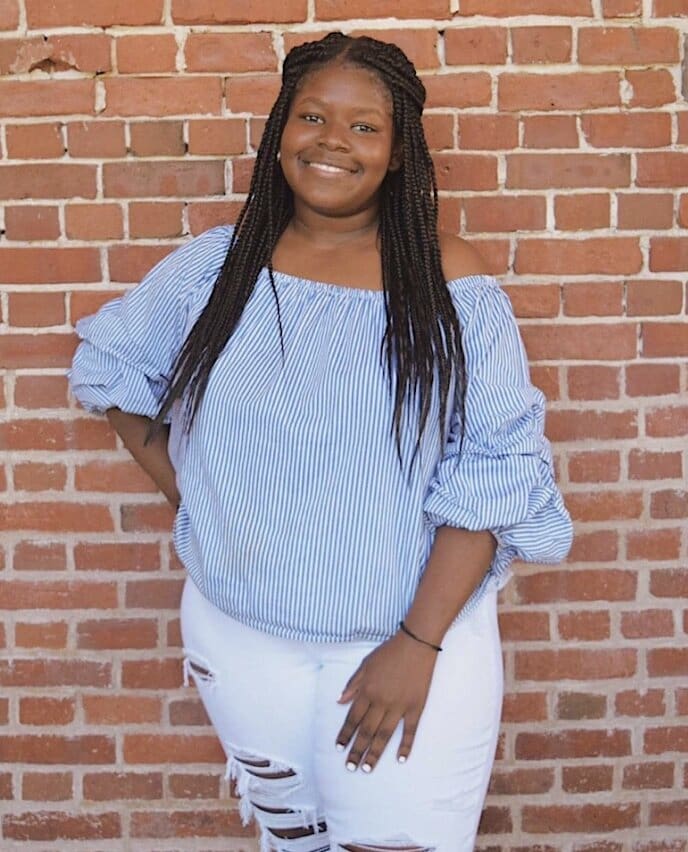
[
  {"x": 128, "y": 348},
  {"x": 501, "y": 477}
]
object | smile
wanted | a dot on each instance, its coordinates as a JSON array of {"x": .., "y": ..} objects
[{"x": 326, "y": 168}]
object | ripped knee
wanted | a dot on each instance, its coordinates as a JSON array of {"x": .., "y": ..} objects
[
  {"x": 198, "y": 668},
  {"x": 382, "y": 846}
]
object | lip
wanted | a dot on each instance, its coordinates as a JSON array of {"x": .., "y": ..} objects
[{"x": 328, "y": 168}]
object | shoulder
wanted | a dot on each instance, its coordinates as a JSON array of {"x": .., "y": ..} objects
[{"x": 459, "y": 258}]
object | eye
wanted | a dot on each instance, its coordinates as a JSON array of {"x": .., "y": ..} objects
[
  {"x": 366, "y": 128},
  {"x": 311, "y": 117}
]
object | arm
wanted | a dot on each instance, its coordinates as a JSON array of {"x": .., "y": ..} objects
[{"x": 153, "y": 457}]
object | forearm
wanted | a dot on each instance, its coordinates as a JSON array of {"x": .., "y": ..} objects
[
  {"x": 154, "y": 457},
  {"x": 458, "y": 562}
]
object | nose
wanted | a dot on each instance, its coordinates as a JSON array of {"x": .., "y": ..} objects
[{"x": 333, "y": 137}]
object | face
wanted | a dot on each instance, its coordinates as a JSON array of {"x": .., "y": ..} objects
[{"x": 337, "y": 144}]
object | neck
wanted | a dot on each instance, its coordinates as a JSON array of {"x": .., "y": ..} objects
[{"x": 321, "y": 230}]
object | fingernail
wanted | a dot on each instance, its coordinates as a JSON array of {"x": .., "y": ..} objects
[
  {"x": 340, "y": 746},
  {"x": 401, "y": 758},
  {"x": 351, "y": 766},
  {"x": 367, "y": 767}
]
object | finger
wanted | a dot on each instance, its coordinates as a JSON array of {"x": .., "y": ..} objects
[
  {"x": 379, "y": 742},
  {"x": 351, "y": 687},
  {"x": 410, "y": 728},
  {"x": 366, "y": 733},
  {"x": 353, "y": 718}
]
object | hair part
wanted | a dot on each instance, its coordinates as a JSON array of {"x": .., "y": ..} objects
[{"x": 421, "y": 343}]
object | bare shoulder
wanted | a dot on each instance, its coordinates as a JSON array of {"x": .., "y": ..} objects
[{"x": 459, "y": 258}]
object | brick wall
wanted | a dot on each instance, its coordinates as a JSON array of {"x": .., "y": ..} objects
[{"x": 559, "y": 128}]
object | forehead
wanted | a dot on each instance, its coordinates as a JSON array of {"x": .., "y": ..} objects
[{"x": 345, "y": 84}]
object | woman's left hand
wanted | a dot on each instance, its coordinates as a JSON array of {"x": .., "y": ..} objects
[{"x": 390, "y": 685}]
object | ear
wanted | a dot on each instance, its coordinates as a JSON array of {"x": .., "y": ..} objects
[{"x": 397, "y": 157}]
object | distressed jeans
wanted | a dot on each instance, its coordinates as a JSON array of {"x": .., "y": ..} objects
[{"x": 273, "y": 704}]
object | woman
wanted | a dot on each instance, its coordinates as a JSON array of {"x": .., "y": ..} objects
[{"x": 346, "y": 519}]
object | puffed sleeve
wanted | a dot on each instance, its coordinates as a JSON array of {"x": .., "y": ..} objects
[
  {"x": 128, "y": 347},
  {"x": 503, "y": 479}
]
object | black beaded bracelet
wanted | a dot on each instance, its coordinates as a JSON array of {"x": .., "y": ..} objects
[{"x": 403, "y": 627}]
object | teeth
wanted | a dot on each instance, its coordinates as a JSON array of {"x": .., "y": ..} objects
[{"x": 325, "y": 168}]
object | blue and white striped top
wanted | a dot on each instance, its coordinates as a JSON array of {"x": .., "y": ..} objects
[{"x": 296, "y": 517}]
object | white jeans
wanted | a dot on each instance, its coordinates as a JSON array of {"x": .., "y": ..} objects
[{"x": 273, "y": 703}]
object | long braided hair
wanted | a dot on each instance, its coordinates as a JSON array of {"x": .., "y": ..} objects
[{"x": 422, "y": 334}]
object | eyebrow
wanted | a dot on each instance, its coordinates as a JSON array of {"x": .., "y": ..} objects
[{"x": 357, "y": 110}]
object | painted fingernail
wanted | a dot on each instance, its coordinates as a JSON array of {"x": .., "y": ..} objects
[
  {"x": 340, "y": 746},
  {"x": 367, "y": 767},
  {"x": 351, "y": 766},
  {"x": 401, "y": 758}
]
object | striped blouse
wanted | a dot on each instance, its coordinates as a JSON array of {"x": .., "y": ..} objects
[{"x": 296, "y": 517}]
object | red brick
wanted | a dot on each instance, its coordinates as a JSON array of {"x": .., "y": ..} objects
[
  {"x": 650, "y": 88},
  {"x": 667, "y": 739},
  {"x": 524, "y": 707},
  {"x": 605, "y": 505},
  {"x": 39, "y": 556},
  {"x": 488, "y": 132},
  {"x": 580, "y": 585},
  {"x": 534, "y": 300},
  {"x": 121, "y": 710},
  {"x": 253, "y": 93},
  {"x": 230, "y": 52},
  {"x": 505, "y": 214},
  {"x": 582, "y": 818},
  {"x": 124, "y": 476},
  {"x": 238, "y": 12},
  {"x": 624, "y": 46},
  {"x": 56, "y": 672},
  {"x": 336, "y": 10},
  {"x": 439, "y": 130},
  {"x": 52, "y": 634},
  {"x": 666, "y": 168},
  {"x": 602, "y": 256},
  {"x": 46, "y": 711},
  {"x": 88, "y": 302},
  {"x": 157, "y": 138},
  {"x": 600, "y": 341},
  {"x": 150, "y": 219},
  {"x": 586, "y": 779},
  {"x": 40, "y": 392},
  {"x": 593, "y": 298},
  {"x": 662, "y": 340},
  {"x": 152, "y": 674},
  {"x": 132, "y": 262},
  {"x": 507, "y": 8},
  {"x": 627, "y": 130},
  {"x": 40, "y": 476},
  {"x": 622, "y": 8},
  {"x": 602, "y": 425},
  {"x": 36, "y": 309},
  {"x": 667, "y": 662},
  {"x": 522, "y": 626},
  {"x": 141, "y": 54},
  {"x": 631, "y": 702},
  {"x": 584, "y": 627},
  {"x": 117, "y": 634},
  {"x": 683, "y": 211},
  {"x": 9, "y": 14},
  {"x": 550, "y": 131},
  {"x": 153, "y": 96},
  {"x": 106, "y": 13},
  {"x": 521, "y": 781},
  {"x": 541, "y": 44},
  {"x": 89, "y": 53},
  {"x": 182, "y": 178},
  {"x": 459, "y": 90},
  {"x": 47, "y": 786},
  {"x": 55, "y": 516},
  {"x": 595, "y": 466},
  {"x": 569, "y": 744},
  {"x": 582, "y": 212},
  {"x": 648, "y": 465},
  {"x": 154, "y": 594},
  {"x": 593, "y": 382},
  {"x": 49, "y": 749},
  {"x": 647, "y": 623},
  {"x": 476, "y": 45},
  {"x": 217, "y": 136},
  {"x": 32, "y": 222},
  {"x": 188, "y": 712},
  {"x": 34, "y": 141},
  {"x": 46, "y": 97},
  {"x": 420, "y": 45},
  {"x": 648, "y": 776},
  {"x": 667, "y": 422},
  {"x": 51, "y": 180},
  {"x": 119, "y": 556},
  {"x": 51, "y": 825},
  {"x": 669, "y": 504},
  {"x": 652, "y": 379},
  {"x": 670, "y": 8},
  {"x": 42, "y": 434},
  {"x": 94, "y": 221},
  {"x": 669, "y": 254},
  {"x": 465, "y": 171},
  {"x": 669, "y": 583},
  {"x": 44, "y": 350},
  {"x": 98, "y": 139},
  {"x": 645, "y": 211},
  {"x": 547, "y": 171},
  {"x": 172, "y": 748},
  {"x": 106, "y": 786},
  {"x": 577, "y": 91},
  {"x": 57, "y": 594},
  {"x": 188, "y": 786},
  {"x": 598, "y": 546}
]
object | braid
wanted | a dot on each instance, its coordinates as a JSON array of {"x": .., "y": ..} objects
[{"x": 422, "y": 338}]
